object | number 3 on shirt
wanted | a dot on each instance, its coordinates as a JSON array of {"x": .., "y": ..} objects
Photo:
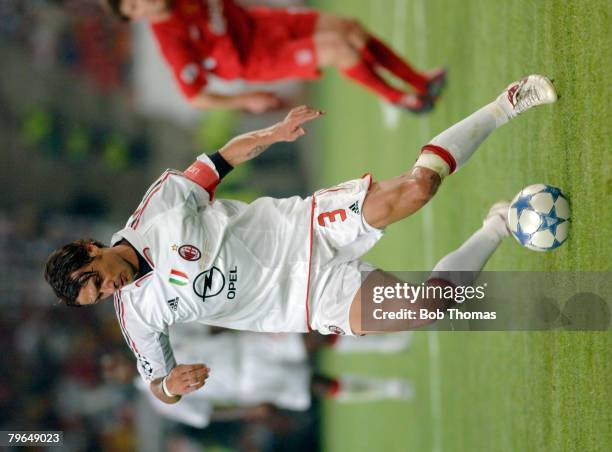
[{"x": 331, "y": 216}]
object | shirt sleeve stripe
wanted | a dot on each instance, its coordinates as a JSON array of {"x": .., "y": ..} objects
[
  {"x": 143, "y": 204},
  {"x": 120, "y": 311}
]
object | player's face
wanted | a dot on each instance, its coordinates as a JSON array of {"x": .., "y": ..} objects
[
  {"x": 143, "y": 9},
  {"x": 104, "y": 275}
]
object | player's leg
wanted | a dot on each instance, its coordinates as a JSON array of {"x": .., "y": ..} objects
[
  {"x": 394, "y": 199},
  {"x": 430, "y": 83},
  {"x": 380, "y": 278},
  {"x": 313, "y": 342},
  {"x": 322, "y": 386},
  {"x": 379, "y": 343},
  {"x": 452, "y": 148},
  {"x": 360, "y": 388},
  {"x": 269, "y": 374},
  {"x": 340, "y": 42},
  {"x": 346, "y": 345},
  {"x": 461, "y": 267},
  {"x": 376, "y": 52}
]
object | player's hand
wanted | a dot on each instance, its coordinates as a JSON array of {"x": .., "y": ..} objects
[
  {"x": 186, "y": 378},
  {"x": 260, "y": 102},
  {"x": 290, "y": 128}
]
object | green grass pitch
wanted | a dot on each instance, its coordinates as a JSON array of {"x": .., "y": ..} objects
[{"x": 513, "y": 391}]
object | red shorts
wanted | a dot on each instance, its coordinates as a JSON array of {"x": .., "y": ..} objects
[{"x": 282, "y": 46}]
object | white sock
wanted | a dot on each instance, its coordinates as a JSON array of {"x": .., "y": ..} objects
[
  {"x": 452, "y": 148},
  {"x": 377, "y": 343},
  {"x": 462, "y": 266},
  {"x": 359, "y": 388}
]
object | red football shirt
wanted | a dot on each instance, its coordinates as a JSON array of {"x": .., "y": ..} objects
[{"x": 204, "y": 36}]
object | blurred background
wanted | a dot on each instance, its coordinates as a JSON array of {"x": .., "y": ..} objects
[{"x": 89, "y": 117}]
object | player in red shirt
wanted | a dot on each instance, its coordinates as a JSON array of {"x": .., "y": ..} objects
[{"x": 197, "y": 37}]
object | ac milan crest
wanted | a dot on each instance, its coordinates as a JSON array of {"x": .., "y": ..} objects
[{"x": 189, "y": 252}]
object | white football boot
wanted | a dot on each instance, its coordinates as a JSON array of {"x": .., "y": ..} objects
[
  {"x": 497, "y": 219},
  {"x": 526, "y": 93}
]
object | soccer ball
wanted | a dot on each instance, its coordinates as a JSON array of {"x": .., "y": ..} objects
[{"x": 539, "y": 217}]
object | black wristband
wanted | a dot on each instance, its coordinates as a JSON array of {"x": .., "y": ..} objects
[{"x": 221, "y": 165}]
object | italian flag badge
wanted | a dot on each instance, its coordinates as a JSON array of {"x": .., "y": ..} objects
[{"x": 178, "y": 277}]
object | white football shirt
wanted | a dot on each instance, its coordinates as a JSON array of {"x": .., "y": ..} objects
[{"x": 220, "y": 262}]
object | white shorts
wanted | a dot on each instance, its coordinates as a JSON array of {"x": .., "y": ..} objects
[
  {"x": 274, "y": 369},
  {"x": 340, "y": 237}
]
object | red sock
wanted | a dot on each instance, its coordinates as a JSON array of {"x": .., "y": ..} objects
[
  {"x": 364, "y": 74},
  {"x": 379, "y": 53},
  {"x": 334, "y": 388},
  {"x": 332, "y": 339}
]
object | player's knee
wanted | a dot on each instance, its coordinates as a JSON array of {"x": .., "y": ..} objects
[
  {"x": 344, "y": 53},
  {"x": 417, "y": 189},
  {"x": 428, "y": 181},
  {"x": 345, "y": 24},
  {"x": 356, "y": 33}
]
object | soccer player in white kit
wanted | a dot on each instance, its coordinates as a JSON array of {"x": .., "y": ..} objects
[
  {"x": 255, "y": 369},
  {"x": 275, "y": 265},
  {"x": 250, "y": 369}
]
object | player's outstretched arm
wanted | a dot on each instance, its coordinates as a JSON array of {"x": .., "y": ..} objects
[
  {"x": 181, "y": 380},
  {"x": 254, "y": 102},
  {"x": 250, "y": 145}
]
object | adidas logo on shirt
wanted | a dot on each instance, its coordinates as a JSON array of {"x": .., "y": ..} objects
[
  {"x": 355, "y": 207},
  {"x": 173, "y": 304}
]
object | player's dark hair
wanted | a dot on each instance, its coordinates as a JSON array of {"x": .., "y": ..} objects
[
  {"x": 62, "y": 263},
  {"x": 114, "y": 6}
]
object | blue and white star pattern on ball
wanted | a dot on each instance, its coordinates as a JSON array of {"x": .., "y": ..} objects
[{"x": 539, "y": 217}]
